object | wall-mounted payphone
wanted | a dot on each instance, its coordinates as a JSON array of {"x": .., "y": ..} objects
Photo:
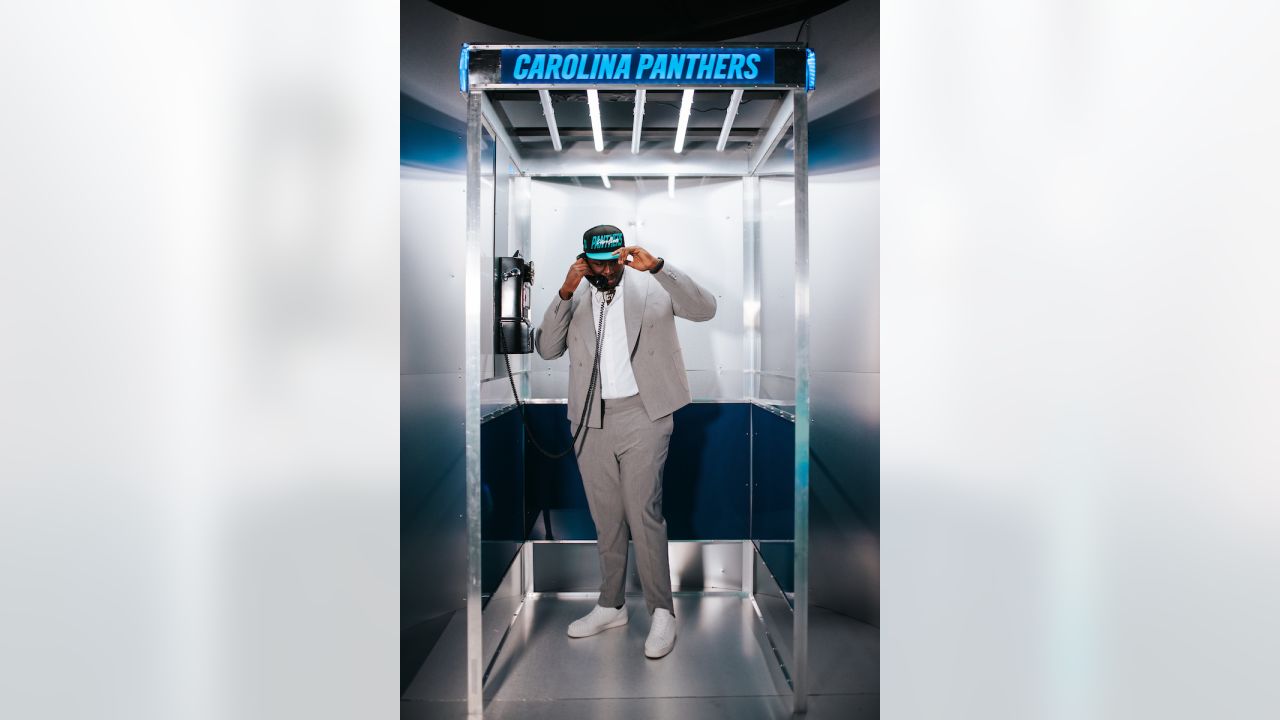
[
  {"x": 513, "y": 278},
  {"x": 513, "y": 333}
]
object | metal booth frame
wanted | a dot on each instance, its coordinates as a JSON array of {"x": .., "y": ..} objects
[{"x": 739, "y": 152}]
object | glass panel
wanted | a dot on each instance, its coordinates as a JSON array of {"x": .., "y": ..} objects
[
  {"x": 773, "y": 495},
  {"x": 777, "y": 292},
  {"x": 773, "y": 423}
]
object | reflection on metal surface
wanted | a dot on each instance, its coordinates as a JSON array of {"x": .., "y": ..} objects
[
  {"x": 722, "y": 650},
  {"x": 433, "y": 544},
  {"x": 785, "y": 412},
  {"x": 497, "y": 413},
  {"x": 776, "y": 615},
  {"x": 844, "y": 536},
  {"x": 501, "y": 607},
  {"x": 574, "y": 566}
]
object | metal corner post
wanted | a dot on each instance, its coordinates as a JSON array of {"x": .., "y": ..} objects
[
  {"x": 750, "y": 343},
  {"x": 751, "y": 286},
  {"x": 800, "y": 628},
  {"x": 471, "y": 384}
]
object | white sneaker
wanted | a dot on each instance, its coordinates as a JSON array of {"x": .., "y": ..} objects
[
  {"x": 599, "y": 619},
  {"x": 662, "y": 634}
]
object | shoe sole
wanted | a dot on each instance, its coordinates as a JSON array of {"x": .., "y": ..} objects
[{"x": 616, "y": 623}]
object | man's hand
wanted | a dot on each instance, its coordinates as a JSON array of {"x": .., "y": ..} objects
[
  {"x": 577, "y": 271},
  {"x": 637, "y": 257}
]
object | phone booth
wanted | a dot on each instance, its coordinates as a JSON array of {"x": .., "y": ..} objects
[{"x": 697, "y": 153}]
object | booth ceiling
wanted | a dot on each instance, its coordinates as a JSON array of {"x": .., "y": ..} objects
[{"x": 575, "y": 110}]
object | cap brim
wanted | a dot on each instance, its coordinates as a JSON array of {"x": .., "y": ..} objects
[{"x": 611, "y": 255}]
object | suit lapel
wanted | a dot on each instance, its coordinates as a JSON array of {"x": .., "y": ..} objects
[
  {"x": 582, "y": 318},
  {"x": 635, "y": 294}
]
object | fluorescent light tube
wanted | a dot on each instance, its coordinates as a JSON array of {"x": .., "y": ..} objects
[
  {"x": 729, "y": 115},
  {"x": 550, "y": 114},
  {"x": 593, "y": 107},
  {"x": 686, "y": 106},
  {"x": 637, "y": 121}
]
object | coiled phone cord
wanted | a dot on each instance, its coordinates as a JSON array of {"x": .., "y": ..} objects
[{"x": 586, "y": 407}]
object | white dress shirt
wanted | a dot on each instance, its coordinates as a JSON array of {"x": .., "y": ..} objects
[{"x": 616, "y": 378}]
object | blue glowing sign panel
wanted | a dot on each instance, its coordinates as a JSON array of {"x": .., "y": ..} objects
[{"x": 638, "y": 66}]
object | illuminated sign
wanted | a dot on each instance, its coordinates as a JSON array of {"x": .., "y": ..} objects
[{"x": 638, "y": 66}]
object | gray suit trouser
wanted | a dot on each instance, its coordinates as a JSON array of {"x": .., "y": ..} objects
[{"x": 621, "y": 466}]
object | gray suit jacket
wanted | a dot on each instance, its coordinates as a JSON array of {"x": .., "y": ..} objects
[{"x": 652, "y": 303}]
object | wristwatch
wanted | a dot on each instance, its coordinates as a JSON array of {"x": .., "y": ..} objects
[{"x": 661, "y": 262}]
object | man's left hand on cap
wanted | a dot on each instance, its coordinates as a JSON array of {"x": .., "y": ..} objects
[{"x": 637, "y": 257}]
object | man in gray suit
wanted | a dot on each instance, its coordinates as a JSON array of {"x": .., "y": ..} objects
[{"x": 640, "y": 382}]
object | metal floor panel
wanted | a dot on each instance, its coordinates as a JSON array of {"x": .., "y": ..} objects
[
  {"x": 720, "y": 651},
  {"x": 760, "y": 707},
  {"x": 844, "y": 654},
  {"x": 444, "y": 673},
  {"x": 721, "y": 667}
]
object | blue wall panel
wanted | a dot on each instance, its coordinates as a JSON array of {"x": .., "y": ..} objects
[
  {"x": 502, "y": 499},
  {"x": 705, "y": 482},
  {"x": 773, "y": 457},
  {"x": 706, "y": 493},
  {"x": 431, "y": 139}
]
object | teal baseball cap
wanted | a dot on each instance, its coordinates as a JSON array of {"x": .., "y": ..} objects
[{"x": 601, "y": 241}]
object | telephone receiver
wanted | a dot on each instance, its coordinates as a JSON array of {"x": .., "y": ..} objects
[
  {"x": 599, "y": 281},
  {"x": 513, "y": 284}
]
